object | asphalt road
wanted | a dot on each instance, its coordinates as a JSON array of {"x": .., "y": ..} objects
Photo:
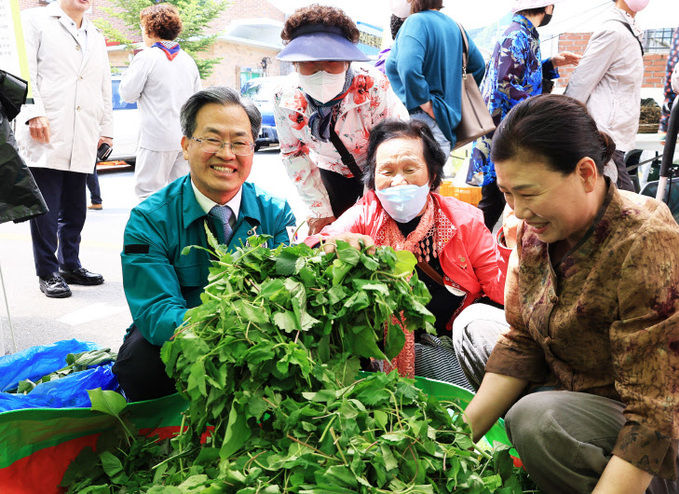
[{"x": 98, "y": 313}]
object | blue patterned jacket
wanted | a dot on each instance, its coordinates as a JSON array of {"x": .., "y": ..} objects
[{"x": 514, "y": 73}]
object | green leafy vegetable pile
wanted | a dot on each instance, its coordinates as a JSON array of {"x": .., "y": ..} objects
[{"x": 269, "y": 362}]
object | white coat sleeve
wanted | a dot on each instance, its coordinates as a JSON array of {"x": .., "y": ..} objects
[
  {"x": 106, "y": 123},
  {"x": 32, "y": 37}
]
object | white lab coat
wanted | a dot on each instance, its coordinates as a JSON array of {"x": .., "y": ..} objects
[{"x": 71, "y": 88}]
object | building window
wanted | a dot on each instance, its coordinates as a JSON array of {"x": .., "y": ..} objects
[{"x": 658, "y": 40}]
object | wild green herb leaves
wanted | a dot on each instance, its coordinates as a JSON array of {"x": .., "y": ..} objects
[{"x": 269, "y": 364}]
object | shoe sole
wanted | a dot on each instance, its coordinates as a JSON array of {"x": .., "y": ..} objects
[
  {"x": 56, "y": 295},
  {"x": 87, "y": 283},
  {"x": 76, "y": 281}
]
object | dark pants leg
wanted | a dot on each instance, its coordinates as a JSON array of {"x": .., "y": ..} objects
[
  {"x": 492, "y": 204},
  {"x": 342, "y": 191},
  {"x": 44, "y": 228},
  {"x": 71, "y": 219},
  {"x": 140, "y": 371},
  {"x": 565, "y": 440},
  {"x": 56, "y": 235},
  {"x": 93, "y": 186},
  {"x": 624, "y": 179}
]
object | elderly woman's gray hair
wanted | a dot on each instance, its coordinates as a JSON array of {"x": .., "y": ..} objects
[{"x": 412, "y": 129}]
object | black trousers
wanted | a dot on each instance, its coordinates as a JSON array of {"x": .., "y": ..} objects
[
  {"x": 140, "y": 371},
  {"x": 624, "y": 180},
  {"x": 492, "y": 204},
  {"x": 342, "y": 191},
  {"x": 56, "y": 235}
]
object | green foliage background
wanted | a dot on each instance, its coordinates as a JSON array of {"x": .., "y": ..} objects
[{"x": 196, "y": 16}]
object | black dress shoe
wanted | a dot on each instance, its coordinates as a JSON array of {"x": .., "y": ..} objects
[
  {"x": 54, "y": 286},
  {"x": 81, "y": 276}
]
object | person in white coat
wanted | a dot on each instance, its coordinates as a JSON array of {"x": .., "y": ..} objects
[
  {"x": 608, "y": 80},
  {"x": 59, "y": 133},
  {"x": 675, "y": 79},
  {"x": 161, "y": 78}
]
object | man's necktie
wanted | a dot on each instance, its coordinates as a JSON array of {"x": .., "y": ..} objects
[{"x": 223, "y": 214}]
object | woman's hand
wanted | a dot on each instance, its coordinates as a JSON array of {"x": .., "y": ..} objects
[
  {"x": 510, "y": 224},
  {"x": 428, "y": 108},
  {"x": 566, "y": 58},
  {"x": 356, "y": 240},
  {"x": 317, "y": 224},
  {"x": 621, "y": 476}
]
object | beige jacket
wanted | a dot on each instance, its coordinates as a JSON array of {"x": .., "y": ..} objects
[
  {"x": 70, "y": 86},
  {"x": 608, "y": 79}
]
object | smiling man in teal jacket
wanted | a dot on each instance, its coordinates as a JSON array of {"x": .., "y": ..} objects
[{"x": 160, "y": 283}]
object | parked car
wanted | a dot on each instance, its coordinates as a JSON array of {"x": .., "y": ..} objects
[
  {"x": 261, "y": 91},
  {"x": 125, "y": 127}
]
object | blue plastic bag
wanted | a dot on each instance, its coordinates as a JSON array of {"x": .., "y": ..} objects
[{"x": 66, "y": 392}]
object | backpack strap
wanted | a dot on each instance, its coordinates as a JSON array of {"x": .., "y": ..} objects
[{"x": 629, "y": 28}]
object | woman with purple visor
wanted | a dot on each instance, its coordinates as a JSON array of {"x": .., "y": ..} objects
[{"x": 326, "y": 110}]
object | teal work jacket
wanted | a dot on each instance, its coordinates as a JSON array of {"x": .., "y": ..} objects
[{"x": 160, "y": 283}]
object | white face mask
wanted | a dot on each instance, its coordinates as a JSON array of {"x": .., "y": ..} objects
[
  {"x": 400, "y": 8},
  {"x": 323, "y": 86},
  {"x": 636, "y": 5},
  {"x": 403, "y": 202}
]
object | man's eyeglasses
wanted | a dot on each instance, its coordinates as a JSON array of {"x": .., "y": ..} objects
[{"x": 213, "y": 146}]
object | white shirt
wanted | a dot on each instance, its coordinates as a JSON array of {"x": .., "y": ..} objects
[
  {"x": 206, "y": 204},
  {"x": 79, "y": 33}
]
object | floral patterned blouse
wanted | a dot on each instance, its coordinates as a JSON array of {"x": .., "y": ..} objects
[
  {"x": 604, "y": 320},
  {"x": 369, "y": 100},
  {"x": 514, "y": 73}
]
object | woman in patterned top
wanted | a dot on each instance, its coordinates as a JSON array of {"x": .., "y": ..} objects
[
  {"x": 586, "y": 370},
  {"x": 459, "y": 260},
  {"x": 326, "y": 110},
  {"x": 515, "y": 72}
]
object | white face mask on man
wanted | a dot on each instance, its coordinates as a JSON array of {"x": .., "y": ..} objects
[{"x": 323, "y": 86}]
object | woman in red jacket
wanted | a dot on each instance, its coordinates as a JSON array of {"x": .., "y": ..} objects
[{"x": 458, "y": 259}]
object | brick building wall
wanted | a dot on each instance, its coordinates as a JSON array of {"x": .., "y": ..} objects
[
  {"x": 237, "y": 58},
  {"x": 249, "y": 9},
  {"x": 654, "y": 63},
  {"x": 242, "y": 57}
]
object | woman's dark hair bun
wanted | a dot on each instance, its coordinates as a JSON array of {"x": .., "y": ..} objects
[{"x": 608, "y": 147}]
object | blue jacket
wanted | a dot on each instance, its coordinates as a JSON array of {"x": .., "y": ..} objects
[
  {"x": 425, "y": 64},
  {"x": 160, "y": 283},
  {"x": 514, "y": 73}
]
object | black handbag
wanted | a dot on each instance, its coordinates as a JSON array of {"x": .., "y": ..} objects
[{"x": 13, "y": 92}]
